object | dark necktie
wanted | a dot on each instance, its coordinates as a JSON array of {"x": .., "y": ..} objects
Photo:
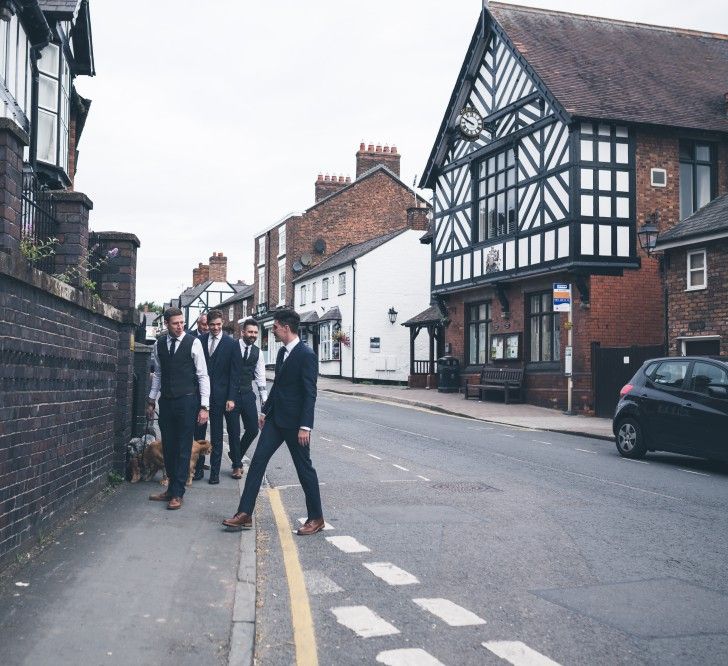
[
  {"x": 171, "y": 349},
  {"x": 245, "y": 355},
  {"x": 279, "y": 358}
]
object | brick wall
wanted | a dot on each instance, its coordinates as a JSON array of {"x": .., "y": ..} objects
[{"x": 66, "y": 389}]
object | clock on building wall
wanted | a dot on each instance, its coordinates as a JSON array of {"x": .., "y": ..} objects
[{"x": 470, "y": 124}]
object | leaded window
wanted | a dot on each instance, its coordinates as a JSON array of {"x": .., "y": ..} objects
[
  {"x": 478, "y": 332},
  {"x": 496, "y": 184},
  {"x": 696, "y": 176},
  {"x": 543, "y": 328}
]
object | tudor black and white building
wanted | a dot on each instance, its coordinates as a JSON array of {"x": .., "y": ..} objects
[{"x": 563, "y": 132}]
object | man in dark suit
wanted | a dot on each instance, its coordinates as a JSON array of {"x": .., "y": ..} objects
[
  {"x": 181, "y": 383},
  {"x": 200, "y": 429},
  {"x": 287, "y": 417},
  {"x": 224, "y": 366}
]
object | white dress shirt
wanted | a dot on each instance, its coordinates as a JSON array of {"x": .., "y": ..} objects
[
  {"x": 259, "y": 375},
  {"x": 198, "y": 356}
]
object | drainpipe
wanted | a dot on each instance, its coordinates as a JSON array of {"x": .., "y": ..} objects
[{"x": 353, "y": 318}]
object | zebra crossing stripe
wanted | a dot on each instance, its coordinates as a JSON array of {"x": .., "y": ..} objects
[
  {"x": 347, "y": 544},
  {"x": 363, "y": 621},
  {"x": 407, "y": 657},
  {"x": 518, "y": 654},
  {"x": 449, "y": 613},
  {"x": 391, "y": 574}
]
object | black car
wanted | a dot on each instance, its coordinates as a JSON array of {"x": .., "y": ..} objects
[{"x": 677, "y": 404}]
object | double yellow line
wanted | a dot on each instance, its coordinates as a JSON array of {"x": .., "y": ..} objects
[{"x": 303, "y": 631}]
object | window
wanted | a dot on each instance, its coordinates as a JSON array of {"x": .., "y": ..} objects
[
  {"x": 324, "y": 289},
  {"x": 669, "y": 374},
  {"x": 231, "y": 313},
  {"x": 478, "y": 333},
  {"x": 261, "y": 285},
  {"x": 543, "y": 328},
  {"x": 696, "y": 176},
  {"x": 705, "y": 375},
  {"x": 281, "y": 240},
  {"x": 303, "y": 295},
  {"x": 342, "y": 283},
  {"x": 329, "y": 349},
  {"x": 497, "y": 195},
  {"x": 281, "y": 282},
  {"x": 15, "y": 72},
  {"x": 54, "y": 99},
  {"x": 313, "y": 292},
  {"x": 697, "y": 270},
  {"x": 261, "y": 251}
]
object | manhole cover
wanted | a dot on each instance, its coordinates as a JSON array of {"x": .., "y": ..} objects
[{"x": 463, "y": 487}]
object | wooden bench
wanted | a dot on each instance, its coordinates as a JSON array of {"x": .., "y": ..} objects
[{"x": 508, "y": 380}]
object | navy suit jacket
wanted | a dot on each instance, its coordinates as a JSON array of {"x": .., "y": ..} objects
[
  {"x": 224, "y": 368},
  {"x": 292, "y": 399}
]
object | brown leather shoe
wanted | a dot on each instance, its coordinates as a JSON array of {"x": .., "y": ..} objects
[
  {"x": 174, "y": 503},
  {"x": 240, "y": 521},
  {"x": 237, "y": 473},
  {"x": 161, "y": 497},
  {"x": 311, "y": 527}
]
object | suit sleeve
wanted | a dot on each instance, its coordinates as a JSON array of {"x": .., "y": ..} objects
[
  {"x": 309, "y": 375},
  {"x": 236, "y": 369}
]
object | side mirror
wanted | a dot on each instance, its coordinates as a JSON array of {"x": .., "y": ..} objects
[{"x": 718, "y": 392}]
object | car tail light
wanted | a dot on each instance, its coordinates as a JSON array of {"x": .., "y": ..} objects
[{"x": 625, "y": 390}]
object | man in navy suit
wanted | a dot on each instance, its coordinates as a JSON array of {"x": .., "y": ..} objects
[
  {"x": 287, "y": 417},
  {"x": 224, "y": 366}
]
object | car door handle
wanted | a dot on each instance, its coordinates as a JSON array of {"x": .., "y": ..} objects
[{"x": 687, "y": 404}]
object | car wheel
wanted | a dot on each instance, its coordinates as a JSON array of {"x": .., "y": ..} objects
[{"x": 630, "y": 440}]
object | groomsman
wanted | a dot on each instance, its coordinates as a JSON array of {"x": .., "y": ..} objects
[
  {"x": 181, "y": 384},
  {"x": 224, "y": 361},
  {"x": 253, "y": 369},
  {"x": 200, "y": 430}
]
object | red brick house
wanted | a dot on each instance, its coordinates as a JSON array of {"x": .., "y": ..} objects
[
  {"x": 562, "y": 135},
  {"x": 375, "y": 203}
]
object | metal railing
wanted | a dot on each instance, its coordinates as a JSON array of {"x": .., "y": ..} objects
[{"x": 38, "y": 218}]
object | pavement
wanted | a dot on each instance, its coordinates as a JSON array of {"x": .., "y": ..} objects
[{"x": 127, "y": 581}]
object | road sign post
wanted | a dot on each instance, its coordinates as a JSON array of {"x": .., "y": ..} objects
[{"x": 563, "y": 303}]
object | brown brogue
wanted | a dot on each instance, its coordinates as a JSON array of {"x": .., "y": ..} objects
[
  {"x": 237, "y": 473},
  {"x": 161, "y": 497},
  {"x": 174, "y": 503},
  {"x": 311, "y": 527},
  {"x": 240, "y": 521}
]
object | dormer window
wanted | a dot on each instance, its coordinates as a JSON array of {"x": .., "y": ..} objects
[{"x": 54, "y": 101}]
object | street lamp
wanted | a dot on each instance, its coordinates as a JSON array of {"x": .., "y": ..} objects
[
  {"x": 392, "y": 315},
  {"x": 647, "y": 234}
]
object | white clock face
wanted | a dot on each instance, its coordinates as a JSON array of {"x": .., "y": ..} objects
[{"x": 470, "y": 124}]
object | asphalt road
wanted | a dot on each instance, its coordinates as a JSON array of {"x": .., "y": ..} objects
[{"x": 484, "y": 541}]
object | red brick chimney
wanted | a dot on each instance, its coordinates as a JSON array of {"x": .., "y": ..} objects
[
  {"x": 417, "y": 218},
  {"x": 200, "y": 274},
  {"x": 327, "y": 185},
  {"x": 218, "y": 267},
  {"x": 367, "y": 157}
]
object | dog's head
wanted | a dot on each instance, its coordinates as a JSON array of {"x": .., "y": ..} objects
[{"x": 202, "y": 446}]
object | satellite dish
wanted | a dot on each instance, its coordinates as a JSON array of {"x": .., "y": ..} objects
[
  {"x": 319, "y": 245},
  {"x": 297, "y": 266},
  {"x": 306, "y": 259}
]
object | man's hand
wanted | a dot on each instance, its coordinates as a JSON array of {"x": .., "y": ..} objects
[
  {"x": 229, "y": 406},
  {"x": 261, "y": 421},
  {"x": 304, "y": 437},
  {"x": 150, "y": 411},
  {"x": 202, "y": 417}
]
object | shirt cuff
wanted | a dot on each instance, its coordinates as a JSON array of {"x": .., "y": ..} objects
[
  {"x": 304, "y": 428},
  {"x": 154, "y": 395}
]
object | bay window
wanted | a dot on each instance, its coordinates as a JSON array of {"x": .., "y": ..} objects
[{"x": 54, "y": 103}]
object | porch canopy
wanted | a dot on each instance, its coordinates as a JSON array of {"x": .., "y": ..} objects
[{"x": 433, "y": 321}]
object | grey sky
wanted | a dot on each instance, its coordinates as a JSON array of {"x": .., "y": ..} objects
[{"x": 211, "y": 120}]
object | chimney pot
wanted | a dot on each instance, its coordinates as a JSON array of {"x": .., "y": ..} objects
[
  {"x": 341, "y": 179},
  {"x": 393, "y": 149},
  {"x": 320, "y": 177},
  {"x": 370, "y": 148},
  {"x": 386, "y": 149},
  {"x": 379, "y": 147},
  {"x": 348, "y": 179},
  {"x": 362, "y": 146},
  {"x": 327, "y": 178}
]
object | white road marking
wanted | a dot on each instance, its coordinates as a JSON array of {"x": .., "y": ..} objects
[
  {"x": 408, "y": 432},
  {"x": 586, "y": 451},
  {"x": 327, "y": 526},
  {"x": 471, "y": 428},
  {"x": 424, "y": 478},
  {"x": 292, "y": 485},
  {"x": 404, "y": 469},
  {"x": 518, "y": 654},
  {"x": 505, "y": 435},
  {"x": 540, "y": 441},
  {"x": 391, "y": 574},
  {"x": 450, "y": 613},
  {"x": 317, "y": 582},
  {"x": 371, "y": 455},
  {"x": 397, "y": 480},
  {"x": 641, "y": 462},
  {"x": 692, "y": 471},
  {"x": 348, "y": 447},
  {"x": 326, "y": 439},
  {"x": 347, "y": 544},
  {"x": 363, "y": 621},
  {"x": 407, "y": 657}
]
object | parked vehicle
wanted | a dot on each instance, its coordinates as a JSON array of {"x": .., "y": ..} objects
[{"x": 678, "y": 404}]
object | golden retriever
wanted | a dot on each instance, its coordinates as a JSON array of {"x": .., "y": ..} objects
[{"x": 154, "y": 459}]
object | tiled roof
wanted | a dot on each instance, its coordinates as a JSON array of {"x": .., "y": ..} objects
[
  {"x": 616, "y": 70},
  {"x": 333, "y": 314},
  {"x": 191, "y": 293},
  {"x": 245, "y": 292},
  {"x": 348, "y": 253},
  {"x": 309, "y": 317},
  {"x": 710, "y": 219},
  {"x": 429, "y": 316}
]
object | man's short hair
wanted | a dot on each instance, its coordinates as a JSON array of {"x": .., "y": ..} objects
[
  {"x": 204, "y": 314},
  {"x": 248, "y": 321},
  {"x": 287, "y": 317},
  {"x": 172, "y": 312},
  {"x": 214, "y": 314}
]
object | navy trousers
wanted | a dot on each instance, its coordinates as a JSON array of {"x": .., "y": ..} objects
[
  {"x": 232, "y": 421},
  {"x": 249, "y": 414},
  {"x": 177, "y": 418},
  {"x": 270, "y": 439}
]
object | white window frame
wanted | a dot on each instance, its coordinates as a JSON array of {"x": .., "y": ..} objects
[
  {"x": 231, "y": 313},
  {"x": 281, "y": 282},
  {"x": 261, "y": 285},
  {"x": 261, "y": 251},
  {"x": 342, "y": 283},
  {"x": 281, "y": 240},
  {"x": 313, "y": 292},
  {"x": 690, "y": 271},
  {"x": 325, "y": 289},
  {"x": 58, "y": 76},
  {"x": 325, "y": 341},
  {"x": 15, "y": 70},
  {"x": 302, "y": 296}
]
